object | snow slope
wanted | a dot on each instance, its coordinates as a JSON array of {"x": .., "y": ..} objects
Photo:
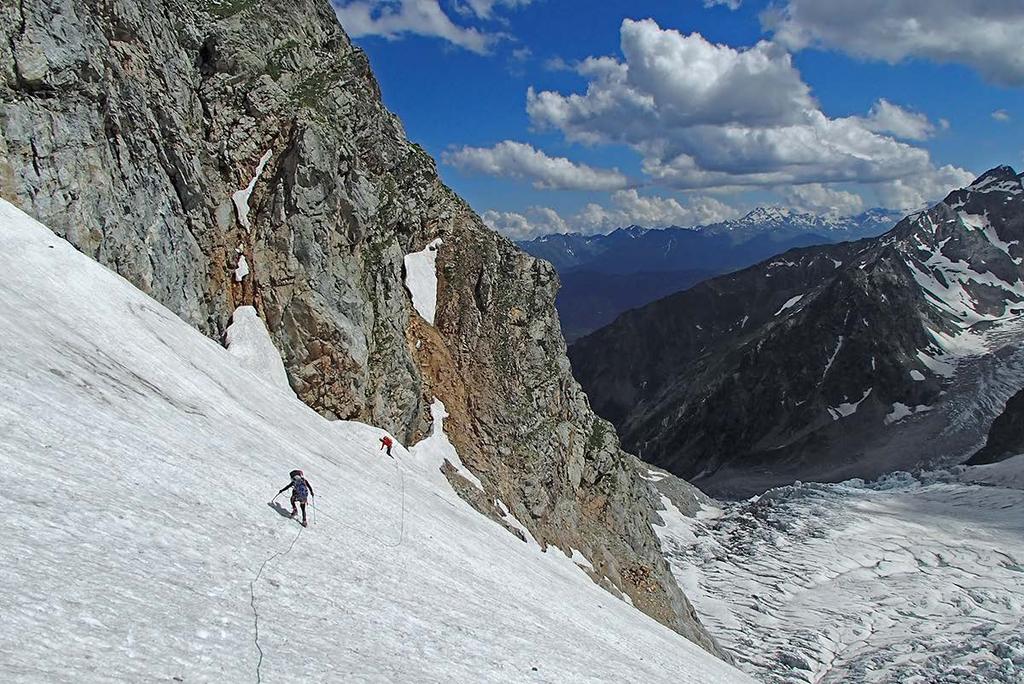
[
  {"x": 248, "y": 341},
  {"x": 138, "y": 458},
  {"x": 897, "y": 581}
]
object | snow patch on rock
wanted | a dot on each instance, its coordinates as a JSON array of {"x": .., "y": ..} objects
[
  {"x": 421, "y": 280},
  {"x": 241, "y": 197},
  {"x": 791, "y": 302},
  {"x": 432, "y": 452},
  {"x": 901, "y": 411},
  {"x": 242, "y": 269},
  {"x": 848, "y": 408}
]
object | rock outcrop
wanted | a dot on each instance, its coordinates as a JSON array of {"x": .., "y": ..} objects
[
  {"x": 222, "y": 153},
  {"x": 1006, "y": 438}
]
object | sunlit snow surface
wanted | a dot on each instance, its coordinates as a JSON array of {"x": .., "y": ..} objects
[
  {"x": 138, "y": 458},
  {"x": 898, "y": 581}
]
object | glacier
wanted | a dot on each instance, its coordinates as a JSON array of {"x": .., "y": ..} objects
[{"x": 911, "y": 579}]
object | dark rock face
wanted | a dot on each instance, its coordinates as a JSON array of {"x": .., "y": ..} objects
[
  {"x": 169, "y": 140},
  {"x": 827, "y": 362},
  {"x": 1006, "y": 438}
]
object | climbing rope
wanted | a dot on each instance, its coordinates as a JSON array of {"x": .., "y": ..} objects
[
  {"x": 259, "y": 573},
  {"x": 252, "y": 602}
]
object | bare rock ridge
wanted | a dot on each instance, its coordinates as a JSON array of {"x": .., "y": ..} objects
[
  {"x": 223, "y": 153},
  {"x": 829, "y": 362}
]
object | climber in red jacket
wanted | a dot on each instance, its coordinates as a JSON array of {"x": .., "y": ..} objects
[{"x": 386, "y": 443}]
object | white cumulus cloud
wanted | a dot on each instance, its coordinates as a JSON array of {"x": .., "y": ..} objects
[
  {"x": 631, "y": 208},
  {"x": 533, "y": 222},
  {"x": 886, "y": 117},
  {"x": 518, "y": 160},
  {"x": 703, "y": 115},
  {"x": 484, "y": 9},
  {"x": 916, "y": 192},
  {"x": 392, "y": 19},
  {"x": 982, "y": 34},
  {"x": 1001, "y": 115},
  {"x": 671, "y": 81},
  {"x": 816, "y": 198},
  {"x": 628, "y": 207},
  {"x": 731, "y": 4}
]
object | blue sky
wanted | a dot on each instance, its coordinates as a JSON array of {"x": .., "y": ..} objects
[{"x": 559, "y": 115}]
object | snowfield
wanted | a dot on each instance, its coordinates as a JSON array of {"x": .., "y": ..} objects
[
  {"x": 903, "y": 580},
  {"x": 138, "y": 459}
]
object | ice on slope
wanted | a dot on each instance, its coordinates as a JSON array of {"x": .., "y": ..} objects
[
  {"x": 899, "y": 581},
  {"x": 138, "y": 458},
  {"x": 248, "y": 341},
  {"x": 995, "y": 183},
  {"x": 421, "y": 280}
]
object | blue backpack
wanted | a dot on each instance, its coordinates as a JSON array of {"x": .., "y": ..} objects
[{"x": 300, "y": 488}]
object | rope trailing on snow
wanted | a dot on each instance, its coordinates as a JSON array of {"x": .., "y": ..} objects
[
  {"x": 259, "y": 573},
  {"x": 382, "y": 542},
  {"x": 252, "y": 602}
]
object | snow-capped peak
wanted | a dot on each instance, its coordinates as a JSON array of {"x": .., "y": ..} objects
[
  {"x": 1000, "y": 179},
  {"x": 633, "y": 231},
  {"x": 776, "y": 217},
  {"x": 767, "y": 215}
]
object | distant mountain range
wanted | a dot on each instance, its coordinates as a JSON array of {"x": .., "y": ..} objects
[
  {"x": 829, "y": 362},
  {"x": 605, "y": 275}
]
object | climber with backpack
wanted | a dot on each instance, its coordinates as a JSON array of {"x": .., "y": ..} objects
[
  {"x": 301, "y": 491},
  {"x": 386, "y": 443}
]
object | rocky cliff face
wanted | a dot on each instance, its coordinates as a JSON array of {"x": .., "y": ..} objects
[
  {"x": 825, "y": 363},
  {"x": 221, "y": 153},
  {"x": 1006, "y": 438}
]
